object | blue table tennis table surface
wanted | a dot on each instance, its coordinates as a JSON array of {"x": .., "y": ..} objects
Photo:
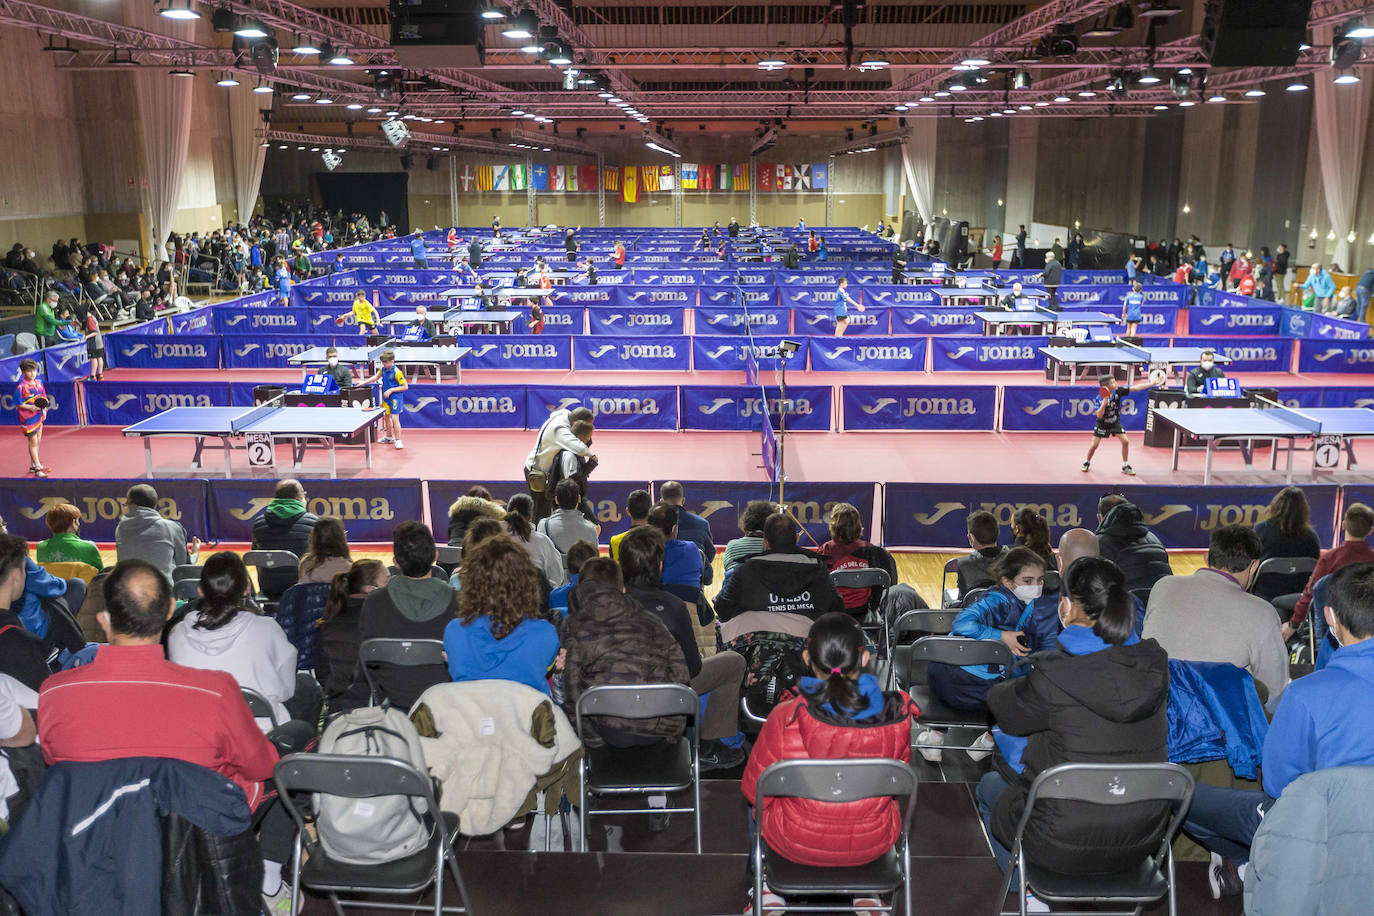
[
  {"x": 1259, "y": 423},
  {"x": 1119, "y": 356},
  {"x": 282, "y": 421},
  {"x": 1044, "y": 316},
  {"x": 424, "y": 356}
]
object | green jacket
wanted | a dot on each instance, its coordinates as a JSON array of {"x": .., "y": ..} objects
[
  {"x": 69, "y": 548},
  {"x": 45, "y": 322}
]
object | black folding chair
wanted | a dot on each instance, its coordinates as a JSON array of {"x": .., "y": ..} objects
[
  {"x": 949, "y": 594},
  {"x": 186, "y": 589},
  {"x": 877, "y": 581},
  {"x": 407, "y": 652},
  {"x": 299, "y": 776},
  {"x": 923, "y": 622},
  {"x": 949, "y": 650},
  {"x": 1103, "y": 784},
  {"x": 187, "y": 571},
  {"x": 662, "y": 768},
  {"x": 260, "y": 705},
  {"x": 280, "y": 561},
  {"x": 836, "y": 781}
]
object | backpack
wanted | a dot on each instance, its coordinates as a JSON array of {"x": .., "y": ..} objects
[{"x": 371, "y": 831}]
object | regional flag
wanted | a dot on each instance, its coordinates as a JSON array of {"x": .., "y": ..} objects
[
  {"x": 706, "y": 177},
  {"x": 784, "y": 174},
  {"x": 629, "y": 189},
  {"x": 587, "y": 177},
  {"x": 468, "y": 177},
  {"x": 519, "y": 178},
  {"x": 819, "y": 176},
  {"x": 560, "y": 177},
  {"x": 689, "y": 176},
  {"x": 740, "y": 179},
  {"x": 502, "y": 182},
  {"x": 801, "y": 177},
  {"x": 570, "y": 178},
  {"x": 766, "y": 176},
  {"x": 723, "y": 178},
  {"x": 648, "y": 178},
  {"x": 665, "y": 178},
  {"x": 486, "y": 178},
  {"x": 612, "y": 178},
  {"x": 541, "y": 177}
]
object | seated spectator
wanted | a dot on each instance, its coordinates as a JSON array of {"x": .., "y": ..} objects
[
  {"x": 847, "y": 550},
  {"x": 1030, "y": 529},
  {"x": 718, "y": 677},
  {"x": 975, "y": 570},
  {"x": 16, "y": 731},
  {"x": 143, "y": 534},
  {"x": 1324, "y": 720},
  {"x": 683, "y": 563},
  {"x": 1124, "y": 539},
  {"x": 475, "y": 503},
  {"x": 610, "y": 640},
  {"x": 1357, "y": 522},
  {"x": 326, "y": 555},
  {"x": 66, "y": 544},
  {"x": 1210, "y": 617},
  {"x": 1286, "y": 531},
  {"x": 839, "y": 712},
  {"x": 547, "y": 559},
  {"x": 285, "y": 524},
  {"x": 477, "y": 532},
  {"x": 637, "y": 506},
  {"x": 751, "y": 520},
  {"x": 23, "y": 656},
  {"x": 783, "y": 579},
  {"x": 497, "y": 635},
  {"x": 222, "y": 635},
  {"x": 690, "y": 526},
  {"x": 336, "y": 659},
  {"x": 413, "y": 605},
  {"x": 578, "y": 555},
  {"x": 131, "y": 702},
  {"x": 1099, "y": 696},
  {"x": 566, "y": 525}
]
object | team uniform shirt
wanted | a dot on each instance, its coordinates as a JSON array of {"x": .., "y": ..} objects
[
  {"x": 841, "y": 304},
  {"x": 1134, "y": 303},
  {"x": 1109, "y": 424},
  {"x": 30, "y": 417},
  {"x": 417, "y": 250},
  {"x": 393, "y": 378},
  {"x": 283, "y": 283},
  {"x": 364, "y": 313}
]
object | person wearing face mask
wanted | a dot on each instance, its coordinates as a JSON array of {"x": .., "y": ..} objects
[
  {"x": 342, "y": 373},
  {"x": 422, "y": 320},
  {"x": 1195, "y": 385},
  {"x": 1002, "y": 613},
  {"x": 336, "y": 659},
  {"x": 1098, "y": 695}
]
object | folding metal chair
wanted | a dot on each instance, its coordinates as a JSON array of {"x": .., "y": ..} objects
[
  {"x": 260, "y": 705},
  {"x": 407, "y": 652},
  {"x": 949, "y": 650},
  {"x": 283, "y": 561},
  {"x": 950, "y": 593},
  {"x": 187, "y": 571},
  {"x": 871, "y": 578},
  {"x": 186, "y": 589}
]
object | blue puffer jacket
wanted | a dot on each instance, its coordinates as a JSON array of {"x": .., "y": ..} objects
[
  {"x": 1214, "y": 712},
  {"x": 988, "y": 618}
]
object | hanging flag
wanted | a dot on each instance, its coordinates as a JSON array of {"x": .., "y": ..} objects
[
  {"x": 519, "y": 177},
  {"x": 629, "y": 188},
  {"x": 648, "y": 178},
  {"x": 666, "y": 179},
  {"x": 587, "y": 177},
  {"x": 689, "y": 176},
  {"x": 486, "y": 178},
  {"x": 559, "y": 177},
  {"x": 706, "y": 177},
  {"x": 765, "y": 176},
  {"x": 740, "y": 179},
  {"x": 541, "y": 177},
  {"x": 723, "y": 177},
  {"x": 612, "y": 179},
  {"x": 467, "y": 178},
  {"x": 784, "y": 176},
  {"x": 819, "y": 176},
  {"x": 569, "y": 177},
  {"x": 801, "y": 177},
  {"x": 502, "y": 182}
]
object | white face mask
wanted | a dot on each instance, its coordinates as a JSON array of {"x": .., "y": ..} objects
[
  {"x": 1062, "y": 604},
  {"x": 1331, "y": 628},
  {"x": 332, "y": 361},
  {"x": 1027, "y": 593},
  {"x": 1206, "y": 364}
]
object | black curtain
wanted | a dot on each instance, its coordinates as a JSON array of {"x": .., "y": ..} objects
[{"x": 369, "y": 193}]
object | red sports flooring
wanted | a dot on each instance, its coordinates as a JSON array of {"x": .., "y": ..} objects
[{"x": 952, "y": 457}]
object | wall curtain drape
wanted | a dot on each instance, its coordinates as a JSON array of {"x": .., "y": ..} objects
[
  {"x": 246, "y": 129},
  {"x": 918, "y": 162},
  {"x": 1342, "y": 117},
  {"x": 164, "y": 118}
]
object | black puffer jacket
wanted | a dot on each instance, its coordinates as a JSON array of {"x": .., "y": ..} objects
[
  {"x": 276, "y": 532},
  {"x": 1125, "y": 540},
  {"x": 788, "y": 582},
  {"x": 1107, "y": 706}
]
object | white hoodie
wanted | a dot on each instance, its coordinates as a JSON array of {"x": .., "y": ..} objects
[{"x": 252, "y": 649}]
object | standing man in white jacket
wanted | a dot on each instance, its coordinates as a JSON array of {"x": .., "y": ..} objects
[{"x": 555, "y": 435}]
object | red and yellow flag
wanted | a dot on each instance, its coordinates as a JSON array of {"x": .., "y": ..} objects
[
  {"x": 612, "y": 179},
  {"x": 629, "y": 188}
]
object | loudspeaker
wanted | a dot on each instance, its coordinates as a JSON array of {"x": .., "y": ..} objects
[
  {"x": 437, "y": 33},
  {"x": 1253, "y": 33}
]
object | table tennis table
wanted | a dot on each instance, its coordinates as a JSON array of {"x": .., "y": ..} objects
[
  {"x": 1042, "y": 320},
  {"x": 964, "y": 295},
  {"x": 458, "y": 316},
  {"x": 407, "y": 354},
  {"x": 1121, "y": 354},
  {"x": 1328, "y": 427},
  {"x": 299, "y": 425}
]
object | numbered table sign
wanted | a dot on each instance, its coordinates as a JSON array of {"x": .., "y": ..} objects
[
  {"x": 261, "y": 454},
  {"x": 1326, "y": 453}
]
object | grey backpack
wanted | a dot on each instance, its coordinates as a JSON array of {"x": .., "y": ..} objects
[{"x": 369, "y": 831}]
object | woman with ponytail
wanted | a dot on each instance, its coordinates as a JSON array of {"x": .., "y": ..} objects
[
  {"x": 840, "y": 712},
  {"x": 223, "y": 635},
  {"x": 520, "y": 523},
  {"x": 336, "y": 658},
  {"x": 1099, "y": 696}
]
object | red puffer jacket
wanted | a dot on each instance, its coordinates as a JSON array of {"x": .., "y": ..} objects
[{"x": 829, "y": 833}]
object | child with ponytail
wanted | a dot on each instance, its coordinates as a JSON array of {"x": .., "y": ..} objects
[
  {"x": 839, "y": 712},
  {"x": 336, "y": 659}
]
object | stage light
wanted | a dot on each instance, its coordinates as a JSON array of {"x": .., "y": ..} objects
[{"x": 522, "y": 25}]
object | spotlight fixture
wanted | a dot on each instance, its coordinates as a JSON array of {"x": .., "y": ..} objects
[
  {"x": 1021, "y": 79},
  {"x": 927, "y": 98},
  {"x": 1061, "y": 99},
  {"x": 874, "y": 61},
  {"x": 557, "y": 53},
  {"x": 305, "y": 45},
  {"x": 341, "y": 59},
  {"x": 324, "y": 100},
  {"x": 227, "y": 80},
  {"x": 1346, "y": 47},
  {"x": 301, "y": 97},
  {"x": 395, "y": 132},
  {"x": 975, "y": 61},
  {"x": 493, "y": 13},
  {"x": 1298, "y": 85},
  {"x": 1062, "y": 42},
  {"x": 1254, "y": 93},
  {"x": 771, "y": 63},
  {"x": 1181, "y": 86},
  {"x": 1346, "y": 78},
  {"x": 251, "y": 28},
  {"x": 331, "y": 160},
  {"x": 354, "y": 106},
  {"x": 263, "y": 88},
  {"x": 1217, "y": 96},
  {"x": 1116, "y": 87},
  {"x": 326, "y": 50},
  {"x": 1357, "y": 29},
  {"x": 1159, "y": 9},
  {"x": 264, "y": 56},
  {"x": 1086, "y": 93},
  {"x": 1149, "y": 77},
  {"x": 957, "y": 85},
  {"x": 223, "y": 20},
  {"x": 172, "y": 11},
  {"x": 1161, "y": 107},
  {"x": 180, "y": 71},
  {"x": 522, "y": 25}
]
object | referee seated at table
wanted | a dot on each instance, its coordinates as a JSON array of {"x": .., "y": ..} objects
[
  {"x": 422, "y": 320},
  {"x": 1008, "y": 302},
  {"x": 1195, "y": 385}
]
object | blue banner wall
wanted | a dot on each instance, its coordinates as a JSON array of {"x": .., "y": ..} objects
[
  {"x": 663, "y": 353},
  {"x": 121, "y": 403},
  {"x": 964, "y": 407},
  {"x": 869, "y": 354},
  {"x": 613, "y": 408},
  {"x": 197, "y": 321},
  {"x": 263, "y": 352},
  {"x": 465, "y": 407},
  {"x": 728, "y": 354},
  {"x": 816, "y": 275},
  {"x": 323, "y": 320},
  {"x": 230, "y": 320},
  {"x": 871, "y": 322},
  {"x": 807, "y": 297},
  {"x": 933, "y": 515},
  {"x": 628, "y": 297},
  {"x": 723, "y": 407},
  {"x": 1316, "y": 355},
  {"x": 157, "y": 328},
  {"x": 1061, "y": 408},
  {"x": 497, "y": 351},
  {"x": 1334, "y": 328},
  {"x": 934, "y": 320},
  {"x": 1003, "y": 354},
  {"x": 66, "y": 363},
  {"x": 1171, "y": 295},
  {"x": 751, "y": 296},
  {"x": 754, "y": 276},
  {"x": 715, "y": 320},
  {"x": 1294, "y": 322},
  {"x": 682, "y": 276},
  {"x": 607, "y": 498},
  {"x": 899, "y": 295},
  {"x": 1231, "y": 320},
  {"x": 1274, "y": 354},
  {"x": 1094, "y": 277},
  {"x": 729, "y": 296},
  {"x": 368, "y": 513},
  {"x": 401, "y": 277},
  {"x": 721, "y": 503},
  {"x": 186, "y": 351},
  {"x": 638, "y": 321},
  {"x": 316, "y": 295},
  {"x": 24, "y": 503},
  {"x": 1348, "y": 397},
  {"x": 582, "y": 295},
  {"x": 1302, "y": 397},
  {"x": 561, "y": 319}
]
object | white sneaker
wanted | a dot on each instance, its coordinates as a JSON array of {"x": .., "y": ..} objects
[
  {"x": 982, "y": 747},
  {"x": 928, "y": 742},
  {"x": 280, "y": 903},
  {"x": 1035, "y": 905},
  {"x": 384, "y": 440},
  {"x": 400, "y": 444}
]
